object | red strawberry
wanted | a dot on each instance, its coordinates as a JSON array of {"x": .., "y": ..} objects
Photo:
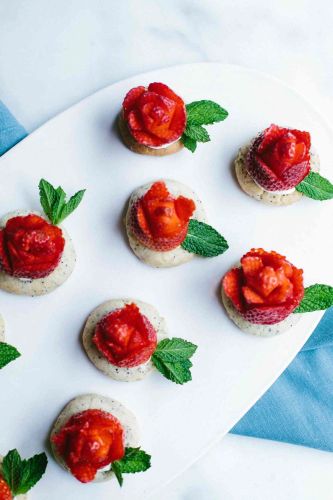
[
  {"x": 266, "y": 288},
  {"x": 155, "y": 116},
  {"x": 5, "y": 493},
  {"x": 160, "y": 221},
  {"x": 279, "y": 158}
]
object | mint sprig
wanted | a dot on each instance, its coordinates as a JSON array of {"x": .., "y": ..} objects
[
  {"x": 316, "y": 187},
  {"x": 53, "y": 201},
  {"x": 22, "y": 475},
  {"x": 200, "y": 113},
  {"x": 171, "y": 358},
  {"x": 134, "y": 460},
  {"x": 7, "y": 354},
  {"x": 204, "y": 240},
  {"x": 316, "y": 298}
]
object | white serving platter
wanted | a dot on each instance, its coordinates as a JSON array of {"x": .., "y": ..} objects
[{"x": 80, "y": 148}]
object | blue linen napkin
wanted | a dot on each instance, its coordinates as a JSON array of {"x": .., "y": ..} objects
[
  {"x": 11, "y": 132},
  {"x": 298, "y": 408}
]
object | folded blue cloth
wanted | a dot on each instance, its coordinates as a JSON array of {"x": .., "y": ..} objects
[
  {"x": 11, "y": 132},
  {"x": 298, "y": 408}
]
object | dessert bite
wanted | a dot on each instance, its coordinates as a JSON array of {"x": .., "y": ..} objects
[
  {"x": 279, "y": 167},
  {"x": 154, "y": 120},
  {"x": 96, "y": 438},
  {"x": 36, "y": 253},
  {"x": 265, "y": 294},
  {"x": 18, "y": 476},
  {"x": 166, "y": 225},
  {"x": 126, "y": 339}
]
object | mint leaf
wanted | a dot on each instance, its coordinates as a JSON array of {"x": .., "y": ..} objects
[
  {"x": 73, "y": 203},
  {"x": 189, "y": 143},
  {"x": 134, "y": 460},
  {"x": 175, "y": 349},
  {"x": 115, "y": 467},
  {"x": 316, "y": 298},
  {"x": 47, "y": 196},
  {"x": 178, "y": 372},
  {"x": 11, "y": 469},
  {"x": 205, "y": 112},
  {"x": 316, "y": 187},
  {"x": 171, "y": 358},
  {"x": 22, "y": 475},
  {"x": 7, "y": 354},
  {"x": 204, "y": 240},
  {"x": 32, "y": 471},
  {"x": 197, "y": 133},
  {"x": 54, "y": 202}
]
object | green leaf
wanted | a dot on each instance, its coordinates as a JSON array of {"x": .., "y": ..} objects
[
  {"x": 22, "y": 475},
  {"x": 7, "y": 354},
  {"x": 54, "y": 202},
  {"x": 171, "y": 358},
  {"x": 72, "y": 204},
  {"x": 11, "y": 469},
  {"x": 197, "y": 133},
  {"x": 189, "y": 143},
  {"x": 205, "y": 112},
  {"x": 134, "y": 460},
  {"x": 58, "y": 205},
  {"x": 115, "y": 467},
  {"x": 316, "y": 298},
  {"x": 47, "y": 196},
  {"x": 316, "y": 187},
  {"x": 178, "y": 372},
  {"x": 32, "y": 471},
  {"x": 175, "y": 349},
  {"x": 204, "y": 240}
]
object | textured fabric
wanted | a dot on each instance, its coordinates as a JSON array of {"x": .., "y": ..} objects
[
  {"x": 298, "y": 408},
  {"x": 11, "y": 132}
]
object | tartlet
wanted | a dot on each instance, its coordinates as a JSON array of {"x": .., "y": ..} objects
[
  {"x": 91, "y": 434},
  {"x": 36, "y": 253},
  {"x": 155, "y": 121},
  {"x": 280, "y": 166},
  {"x": 265, "y": 295},
  {"x": 160, "y": 219},
  {"x": 127, "y": 339}
]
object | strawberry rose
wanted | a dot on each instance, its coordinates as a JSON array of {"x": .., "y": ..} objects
[
  {"x": 279, "y": 158},
  {"x": 159, "y": 220},
  {"x": 89, "y": 441},
  {"x": 125, "y": 337},
  {"x": 155, "y": 116},
  {"x": 30, "y": 247},
  {"x": 266, "y": 288}
]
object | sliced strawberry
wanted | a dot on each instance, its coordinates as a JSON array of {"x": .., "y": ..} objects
[
  {"x": 251, "y": 297},
  {"x": 266, "y": 289},
  {"x": 184, "y": 207},
  {"x": 232, "y": 287},
  {"x": 125, "y": 337},
  {"x": 5, "y": 493},
  {"x": 279, "y": 158},
  {"x": 156, "y": 116},
  {"x": 160, "y": 221},
  {"x": 131, "y": 98},
  {"x": 162, "y": 89},
  {"x": 251, "y": 265},
  {"x": 157, "y": 190}
]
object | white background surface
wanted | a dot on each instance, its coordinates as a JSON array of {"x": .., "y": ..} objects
[{"x": 54, "y": 53}]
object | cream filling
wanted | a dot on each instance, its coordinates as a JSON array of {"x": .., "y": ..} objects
[
  {"x": 286, "y": 191},
  {"x": 164, "y": 146}
]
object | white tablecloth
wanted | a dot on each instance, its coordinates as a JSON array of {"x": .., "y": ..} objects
[{"x": 54, "y": 53}]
